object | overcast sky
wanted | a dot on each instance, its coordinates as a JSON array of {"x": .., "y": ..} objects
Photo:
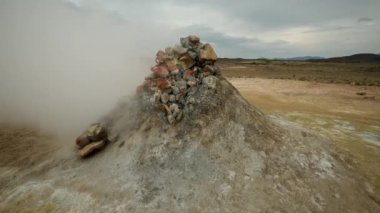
[{"x": 255, "y": 28}]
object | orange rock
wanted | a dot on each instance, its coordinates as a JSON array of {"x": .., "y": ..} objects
[
  {"x": 162, "y": 83},
  {"x": 160, "y": 71},
  {"x": 188, "y": 74}
]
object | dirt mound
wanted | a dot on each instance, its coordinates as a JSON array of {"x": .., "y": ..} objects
[{"x": 223, "y": 156}]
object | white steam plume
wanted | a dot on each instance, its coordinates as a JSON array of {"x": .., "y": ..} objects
[{"x": 63, "y": 67}]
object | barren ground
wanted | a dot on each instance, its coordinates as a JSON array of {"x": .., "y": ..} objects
[
  {"x": 348, "y": 114},
  {"x": 334, "y": 110},
  {"x": 325, "y": 72}
]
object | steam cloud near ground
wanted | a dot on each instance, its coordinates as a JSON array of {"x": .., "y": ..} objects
[{"x": 62, "y": 68}]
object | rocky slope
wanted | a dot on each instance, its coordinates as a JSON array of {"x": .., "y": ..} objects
[{"x": 222, "y": 156}]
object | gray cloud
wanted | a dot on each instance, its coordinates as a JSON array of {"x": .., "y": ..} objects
[
  {"x": 76, "y": 4},
  {"x": 327, "y": 29},
  {"x": 247, "y": 28},
  {"x": 365, "y": 19},
  {"x": 232, "y": 46}
]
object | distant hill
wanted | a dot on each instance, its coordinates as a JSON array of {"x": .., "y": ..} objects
[
  {"x": 357, "y": 58},
  {"x": 302, "y": 58}
]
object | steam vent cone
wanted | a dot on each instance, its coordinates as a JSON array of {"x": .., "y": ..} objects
[{"x": 187, "y": 141}]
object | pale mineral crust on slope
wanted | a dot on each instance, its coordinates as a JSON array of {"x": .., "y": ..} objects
[{"x": 223, "y": 156}]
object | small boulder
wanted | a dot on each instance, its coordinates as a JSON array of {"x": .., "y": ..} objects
[
  {"x": 162, "y": 83},
  {"x": 160, "y": 71},
  {"x": 192, "y": 54},
  {"x": 172, "y": 65},
  {"x": 194, "y": 39},
  {"x": 186, "y": 61},
  {"x": 160, "y": 56},
  {"x": 191, "y": 82},
  {"x": 185, "y": 42},
  {"x": 165, "y": 98},
  {"x": 91, "y": 148},
  {"x": 171, "y": 119},
  {"x": 181, "y": 84},
  {"x": 96, "y": 132},
  {"x": 172, "y": 98},
  {"x": 175, "y": 90},
  {"x": 179, "y": 115},
  {"x": 173, "y": 108},
  {"x": 189, "y": 74},
  {"x": 169, "y": 53},
  {"x": 209, "y": 68},
  {"x": 179, "y": 50},
  {"x": 82, "y": 140},
  {"x": 164, "y": 108},
  {"x": 207, "y": 53},
  {"x": 191, "y": 100}
]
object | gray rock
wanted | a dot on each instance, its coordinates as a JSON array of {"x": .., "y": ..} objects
[
  {"x": 165, "y": 98},
  {"x": 182, "y": 100},
  {"x": 171, "y": 119},
  {"x": 175, "y": 90},
  {"x": 172, "y": 98},
  {"x": 181, "y": 84},
  {"x": 174, "y": 108},
  {"x": 192, "y": 90},
  {"x": 192, "y": 54},
  {"x": 178, "y": 96},
  {"x": 179, "y": 50},
  {"x": 167, "y": 90},
  {"x": 179, "y": 115},
  {"x": 210, "y": 68},
  {"x": 194, "y": 39},
  {"x": 190, "y": 107},
  {"x": 185, "y": 42},
  {"x": 210, "y": 81},
  {"x": 192, "y": 83},
  {"x": 191, "y": 100},
  {"x": 156, "y": 97}
]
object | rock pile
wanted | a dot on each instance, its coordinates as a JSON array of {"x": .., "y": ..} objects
[
  {"x": 92, "y": 140},
  {"x": 177, "y": 76},
  {"x": 180, "y": 72}
]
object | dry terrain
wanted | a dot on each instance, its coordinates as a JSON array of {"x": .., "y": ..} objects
[
  {"x": 326, "y": 72},
  {"x": 228, "y": 156},
  {"x": 345, "y": 109}
]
